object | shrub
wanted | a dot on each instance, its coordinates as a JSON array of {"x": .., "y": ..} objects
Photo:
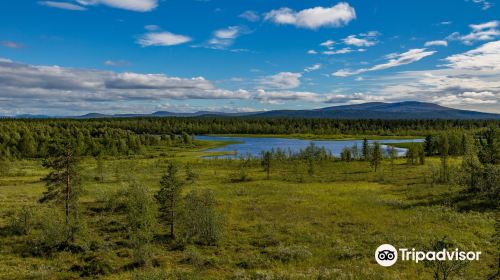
[
  {"x": 21, "y": 222},
  {"x": 202, "y": 223},
  {"x": 141, "y": 221}
]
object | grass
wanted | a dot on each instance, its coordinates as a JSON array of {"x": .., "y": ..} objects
[{"x": 293, "y": 226}]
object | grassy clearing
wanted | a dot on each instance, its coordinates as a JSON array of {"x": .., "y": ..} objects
[{"x": 293, "y": 226}]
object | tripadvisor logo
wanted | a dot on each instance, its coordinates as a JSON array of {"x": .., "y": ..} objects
[{"x": 386, "y": 255}]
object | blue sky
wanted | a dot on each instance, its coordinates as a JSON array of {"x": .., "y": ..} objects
[{"x": 138, "y": 56}]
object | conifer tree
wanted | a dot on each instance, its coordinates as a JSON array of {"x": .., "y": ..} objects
[{"x": 169, "y": 197}]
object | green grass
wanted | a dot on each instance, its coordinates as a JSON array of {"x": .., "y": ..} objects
[{"x": 293, "y": 226}]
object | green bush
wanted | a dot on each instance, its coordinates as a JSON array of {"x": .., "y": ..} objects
[{"x": 22, "y": 221}]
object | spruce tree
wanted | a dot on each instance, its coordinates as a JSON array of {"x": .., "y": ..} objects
[
  {"x": 63, "y": 184},
  {"x": 376, "y": 156},
  {"x": 169, "y": 197}
]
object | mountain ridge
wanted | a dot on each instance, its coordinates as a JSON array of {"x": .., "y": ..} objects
[{"x": 370, "y": 110}]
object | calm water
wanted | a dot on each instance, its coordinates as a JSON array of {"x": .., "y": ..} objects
[{"x": 254, "y": 145}]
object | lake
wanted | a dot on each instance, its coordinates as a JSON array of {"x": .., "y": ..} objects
[{"x": 255, "y": 145}]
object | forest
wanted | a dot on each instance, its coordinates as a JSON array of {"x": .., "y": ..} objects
[{"x": 139, "y": 199}]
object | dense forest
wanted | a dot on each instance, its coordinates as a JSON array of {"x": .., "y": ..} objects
[{"x": 33, "y": 138}]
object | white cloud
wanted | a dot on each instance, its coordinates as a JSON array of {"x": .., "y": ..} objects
[
  {"x": 328, "y": 44},
  {"x": 62, "y": 5},
  {"x": 340, "y": 51},
  {"x": 250, "y": 16},
  {"x": 225, "y": 37},
  {"x": 483, "y": 58},
  {"x": 282, "y": 80},
  {"x": 312, "y": 52},
  {"x": 116, "y": 63},
  {"x": 162, "y": 39},
  {"x": 480, "y": 32},
  {"x": 485, "y": 4},
  {"x": 312, "y": 68},
  {"x": 279, "y": 97},
  {"x": 362, "y": 40},
  {"x": 314, "y": 18},
  {"x": 132, "y": 5},
  {"x": 394, "y": 60},
  {"x": 32, "y": 86},
  {"x": 354, "y": 98},
  {"x": 436, "y": 43}
]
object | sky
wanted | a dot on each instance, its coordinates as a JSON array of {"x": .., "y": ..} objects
[{"x": 72, "y": 57}]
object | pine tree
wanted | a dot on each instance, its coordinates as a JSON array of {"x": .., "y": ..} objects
[
  {"x": 169, "y": 197},
  {"x": 444, "y": 152},
  {"x": 365, "y": 150},
  {"x": 376, "y": 156},
  {"x": 63, "y": 185}
]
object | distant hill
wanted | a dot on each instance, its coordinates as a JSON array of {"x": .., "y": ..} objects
[
  {"x": 372, "y": 110},
  {"x": 379, "y": 110}
]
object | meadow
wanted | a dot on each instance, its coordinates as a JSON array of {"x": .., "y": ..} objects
[{"x": 296, "y": 224}]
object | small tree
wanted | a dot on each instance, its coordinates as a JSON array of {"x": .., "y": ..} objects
[
  {"x": 421, "y": 154},
  {"x": 345, "y": 155},
  {"x": 445, "y": 269},
  {"x": 141, "y": 221},
  {"x": 63, "y": 185},
  {"x": 376, "y": 156},
  {"x": 365, "y": 150},
  {"x": 266, "y": 163},
  {"x": 202, "y": 222},
  {"x": 444, "y": 151},
  {"x": 168, "y": 197},
  {"x": 191, "y": 175}
]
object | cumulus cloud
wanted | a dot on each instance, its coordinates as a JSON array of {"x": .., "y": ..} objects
[
  {"x": 132, "y": 5},
  {"x": 70, "y": 87},
  {"x": 312, "y": 52},
  {"x": 62, "y": 5},
  {"x": 442, "y": 43},
  {"x": 479, "y": 32},
  {"x": 282, "y": 80},
  {"x": 314, "y": 18},
  {"x": 394, "y": 60},
  {"x": 162, "y": 39},
  {"x": 251, "y": 16}
]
